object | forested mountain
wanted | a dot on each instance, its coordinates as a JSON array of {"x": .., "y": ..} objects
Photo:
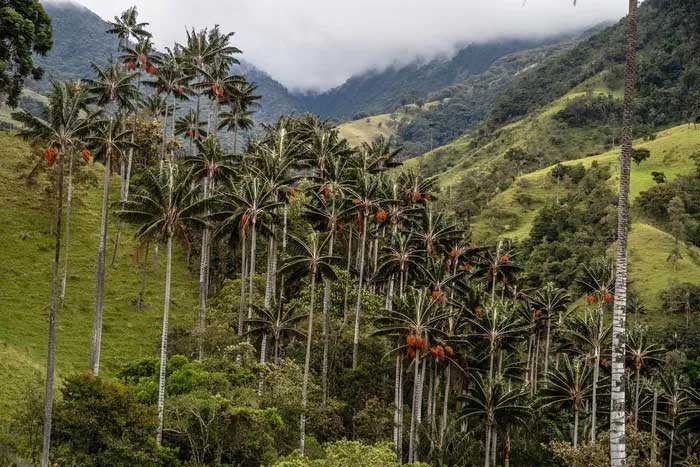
[
  {"x": 377, "y": 92},
  {"x": 524, "y": 295},
  {"x": 80, "y": 40}
]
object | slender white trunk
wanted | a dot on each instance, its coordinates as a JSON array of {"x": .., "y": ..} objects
[
  {"x": 358, "y": 304},
  {"x": 164, "y": 339},
  {"x": 66, "y": 247},
  {"x": 594, "y": 395},
  {"x": 414, "y": 410},
  {"x": 326, "y": 343},
  {"x": 244, "y": 269},
  {"x": 51, "y": 358},
  {"x": 201, "y": 321},
  {"x": 618, "y": 457},
  {"x": 307, "y": 365},
  {"x": 96, "y": 343}
]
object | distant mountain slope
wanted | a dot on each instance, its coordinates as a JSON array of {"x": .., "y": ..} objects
[
  {"x": 79, "y": 40},
  {"x": 668, "y": 67},
  {"x": 377, "y": 92}
]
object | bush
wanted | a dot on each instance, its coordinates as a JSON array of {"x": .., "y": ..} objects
[{"x": 101, "y": 423}]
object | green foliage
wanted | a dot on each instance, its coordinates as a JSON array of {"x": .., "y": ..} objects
[
  {"x": 349, "y": 454},
  {"x": 567, "y": 234},
  {"x": 597, "y": 454},
  {"x": 591, "y": 110},
  {"x": 667, "y": 91},
  {"x": 101, "y": 423},
  {"x": 25, "y": 29}
]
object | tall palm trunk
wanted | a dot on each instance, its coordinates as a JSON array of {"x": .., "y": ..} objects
[
  {"x": 164, "y": 339},
  {"x": 326, "y": 306},
  {"x": 203, "y": 266},
  {"x": 307, "y": 365},
  {"x": 548, "y": 341},
  {"x": 96, "y": 343},
  {"x": 414, "y": 410},
  {"x": 487, "y": 445},
  {"x": 653, "y": 427},
  {"x": 51, "y": 359},
  {"x": 358, "y": 303},
  {"x": 126, "y": 180},
  {"x": 575, "y": 427},
  {"x": 347, "y": 269},
  {"x": 271, "y": 247},
  {"x": 66, "y": 247},
  {"x": 244, "y": 276},
  {"x": 251, "y": 268},
  {"x": 397, "y": 403},
  {"x": 144, "y": 275},
  {"x": 594, "y": 395},
  {"x": 636, "y": 395},
  {"x": 445, "y": 403},
  {"x": 617, "y": 392}
]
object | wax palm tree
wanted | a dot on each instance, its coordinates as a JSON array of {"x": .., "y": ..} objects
[
  {"x": 617, "y": 394},
  {"x": 415, "y": 317},
  {"x": 192, "y": 128},
  {"x": 209, "y": 166},
  {"x": 402, "y": 257},
  {"x": 673, "y": 399},
  {"x": 65, "y": 129},
  {"x": 552, "y": 303},
  {"x": 378, "y": 155},
  {"x": 365, "y": 198},
  {"x": 499, "y": 327},
  {"x": 496, "y": 403},
  {"x": 246, "y": 204},
  {"x": 496, "y": 267},
  {"x": 590, "y": 334},
  {"x": 326, "y": 214},
  {"x": 435, "y": 233},
  {"x": 240, "y": 104},
  {"x": 126, "y": 26},
  {"x": 278, "y": 321},
  {"x": 171, "y": 81},
  {"x": 641, "y": 353},
  {"x": 312, "y": 261},
  {"x": 113, "y": 85},
  {"x": 163, "y": 208},
  {"x": 570, "y": 386},
  {"x": 414, "y": 188},
  {"x": 110, "y": 139}
]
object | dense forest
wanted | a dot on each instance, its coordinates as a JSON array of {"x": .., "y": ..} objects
[{"x": 274, "y": 295}]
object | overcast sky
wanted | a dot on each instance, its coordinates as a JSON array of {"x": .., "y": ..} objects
[{"x": 318, "y": 44}]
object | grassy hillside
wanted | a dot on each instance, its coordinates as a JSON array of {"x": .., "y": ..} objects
[
  {"x": 650, "y": 272},
  {"x": 366, "y": 129},
  {"x": 539, "y": 134},
  {"x": 26, "y": 254},
  {"x": 670, "y": 153}
]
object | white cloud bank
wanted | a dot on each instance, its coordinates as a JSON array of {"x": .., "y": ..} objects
[{"x": 318, "y": 44}]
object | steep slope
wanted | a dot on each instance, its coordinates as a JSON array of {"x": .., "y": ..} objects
[
  {"x": 377, "y": 92},
  {"x": 80, "y": 39},
  {"x": 511, "y": 213},
  {"x": 668, "y": 67},
  {"x": 364, "y": 130},
  {"x": 25, "y": 274}
]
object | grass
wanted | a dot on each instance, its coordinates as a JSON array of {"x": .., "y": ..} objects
[
  {"x": 538, "y": 133},
  {"x": 650, "y": 272},
  {"x": 25, "y": 274},
  {"x": 671, "y": 153},
  {"x": 367, "y": 129}
]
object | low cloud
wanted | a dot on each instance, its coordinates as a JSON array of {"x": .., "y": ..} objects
[{"x": 313, "y": 45}]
